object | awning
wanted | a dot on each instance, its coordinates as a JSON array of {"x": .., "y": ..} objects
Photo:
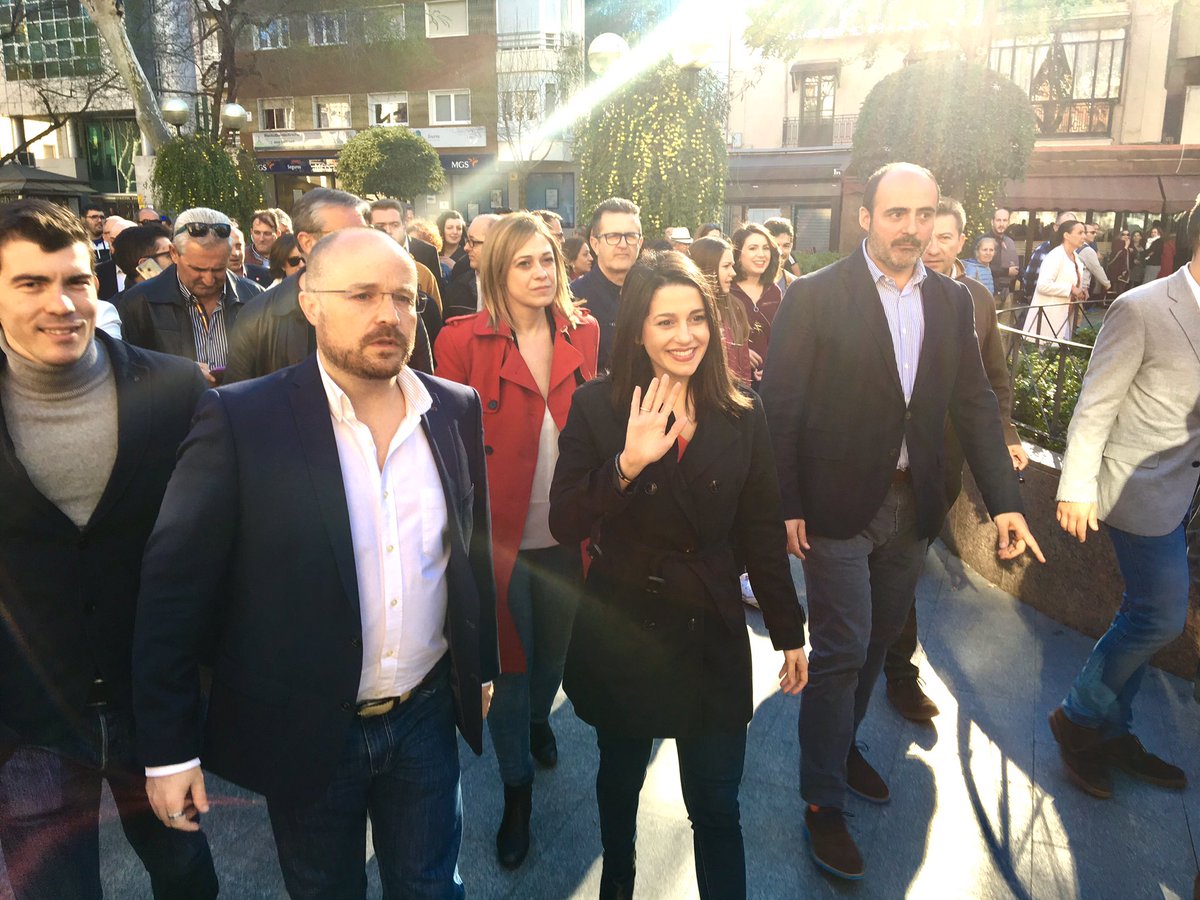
[
  {"x": 1120, "y": 193},
  {"x": 1181, "y": 192},
  {"x": 30, "y": 181},
  {"x": 824, "y": 165}
]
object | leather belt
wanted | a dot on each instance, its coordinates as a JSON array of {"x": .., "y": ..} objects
[
  {"x": 369, "y": 709},
  {"x": 901, "y": 476}
]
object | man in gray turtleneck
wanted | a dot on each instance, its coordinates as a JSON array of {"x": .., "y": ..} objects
[{"x": 89, "y": 430}]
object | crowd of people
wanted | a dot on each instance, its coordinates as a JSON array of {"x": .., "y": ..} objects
[{"x": 293, "y": 511}]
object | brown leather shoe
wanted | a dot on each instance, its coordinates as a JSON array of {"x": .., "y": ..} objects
[
  {"x": 1196, "y": 889},
  {"x": 1127, "y": 754},
  {"x": 830, "y": 844},
  {"x": 863, "y": 780},
  {"x": 1081, "y": 750},
  {"x": 910, "y": 700}
]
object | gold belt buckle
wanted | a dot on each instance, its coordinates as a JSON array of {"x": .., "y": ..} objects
[{"x": 373, "y": 708}]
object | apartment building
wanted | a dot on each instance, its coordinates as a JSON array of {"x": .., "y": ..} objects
[{"x": 1117, "y": 146}]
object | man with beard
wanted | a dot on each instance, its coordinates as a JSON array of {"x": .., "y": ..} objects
[
  {"x": 346, "y": 567},
  {"x": 1005, "y": 264},
  {"x": 868, "y": 358}
]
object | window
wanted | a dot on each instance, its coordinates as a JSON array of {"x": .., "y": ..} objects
[
  {"x": 387, "y": 109},
  {"x": 275, "y": 114},
  {"x": 383, "y": 23},
  {"x": 1073, "y": 78},
  {"x": 326, "y": 28},
  {"x": 813, "y": 126},
  {"x": 520, "y": 106},
  {"x": 47, "y": 40},
  {"x": 272, "y": 35},
  {"x": 449, "y": 107},
  {"x": 446, "y": 18},
  {"x": 331, "y": 112}
]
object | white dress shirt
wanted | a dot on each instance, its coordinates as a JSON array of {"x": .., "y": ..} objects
[
  {"x": 1191, "y": 283},
  {"x": 398, "y": 525}
]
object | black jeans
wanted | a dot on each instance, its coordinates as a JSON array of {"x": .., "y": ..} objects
[
  {"x": 710, "y": 769},
  {"x": 898, "y": 664},
  {"x": 49, "y": 817}
]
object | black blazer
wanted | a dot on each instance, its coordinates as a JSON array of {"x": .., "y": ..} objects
[
  {"x": 253, "y": 544},
  {"x": 460, "y": 296},
  {"x": 659, "y": 646},
  {"x": 260, "y": 275},
  {"x": 69, "y": 594},
  {"x": 154, "y": 314},
  {"x": 426, "y": 254},
  {"x": 837, "y": 413},
  {"x": 106, "y": 274},
  {"x": 272, "y": 334}
]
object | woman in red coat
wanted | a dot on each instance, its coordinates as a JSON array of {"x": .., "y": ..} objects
[{"x": 525, "y": 353}]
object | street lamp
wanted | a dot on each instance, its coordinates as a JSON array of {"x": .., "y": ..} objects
[
  {"x": 175, "y": 112},
  {"x": 604, "y": 50},
  {"x": 233, "y": 119}
]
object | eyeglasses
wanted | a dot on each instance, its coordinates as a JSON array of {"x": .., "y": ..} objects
[
  {"x": 469, "y": 242},
  {"x": 149, "y": 221},
  {"x": 368, "y": 298},
  {"x": 95, "y": 215},
  {"x": 200, "y": 229},
  {"x": 295, "y": 260},
  {"x": 613, "y": 238},
  {"x": 387, "y": 226}
]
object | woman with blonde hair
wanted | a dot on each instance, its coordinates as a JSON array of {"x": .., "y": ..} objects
[{"x": 525, "y": 352}]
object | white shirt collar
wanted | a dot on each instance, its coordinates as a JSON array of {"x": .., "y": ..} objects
[
  {"x": 417, "y": 398},
  {"x": 1191, "y": 283}
]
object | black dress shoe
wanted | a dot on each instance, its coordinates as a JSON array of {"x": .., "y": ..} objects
[
  {"x": 543, "y": 745},
  {"x": 910, "y": 700},
  {"x": 1127, "y": 754},
  {"x": 616, "y": 878},
  {"x": 830, "y": 843},
  {"x": 1082, "y": 754},
  {"x": 863, "y": 780},
  {"x": 512, "y": 840}
]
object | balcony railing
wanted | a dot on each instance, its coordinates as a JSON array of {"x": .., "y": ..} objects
[
  {"x": 833, "y": 131},
  {"x": 1074, "y": 117}
]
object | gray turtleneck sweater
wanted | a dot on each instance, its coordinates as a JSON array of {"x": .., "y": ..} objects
[{"x": 63, "y": 424}]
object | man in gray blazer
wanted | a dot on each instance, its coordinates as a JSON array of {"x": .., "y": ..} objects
[{"x": 1132, "y": 461}]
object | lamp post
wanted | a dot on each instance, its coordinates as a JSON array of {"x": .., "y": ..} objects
[
  {"x": 234, "y": 118},
  {"x": 693, "y": 54},
  {"x": 604, "y": 50},
  {"x": 176, "y": 111}
]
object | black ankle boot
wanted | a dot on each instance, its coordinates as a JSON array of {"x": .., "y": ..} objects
[
  {"x": 512, "y": 840},
  {"x": 616, "y": 880}
]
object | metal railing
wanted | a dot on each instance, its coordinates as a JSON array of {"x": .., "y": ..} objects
[
  {"x": 831, "y": 131},
  {"x": 1046, "y": 365},
  {"x": 1074, "y": 117}
]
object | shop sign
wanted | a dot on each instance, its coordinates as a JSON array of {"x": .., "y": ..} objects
[
  {"x": 318, "y": 139},
  {"x": 457, "y": 162},
  {"x": 299, "y": 165},
  {"x": 454, "y": 135}
]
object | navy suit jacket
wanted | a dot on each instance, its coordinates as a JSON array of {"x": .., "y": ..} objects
[
  {"x": 253, "y": 546},
  {"x": 837, "y": 413}
]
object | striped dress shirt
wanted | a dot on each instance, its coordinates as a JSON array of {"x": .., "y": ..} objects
[
  {"x": 208, "y": 330},
  {"x": 905, "y": 311}
]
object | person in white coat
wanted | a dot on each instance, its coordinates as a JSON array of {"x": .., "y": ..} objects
[{"x": 1060, "y": 281}]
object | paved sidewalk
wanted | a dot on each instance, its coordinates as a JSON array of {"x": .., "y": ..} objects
[{"x": 980, "y": 806}]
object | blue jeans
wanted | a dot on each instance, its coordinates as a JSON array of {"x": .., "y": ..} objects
[
  {"x": 50, "y": 809},
  {"x": 710, "y": 770},
  {"x": 401, "y": 769},
  {"x": 543, "y": 595},
  {"x": 1153, "y": 613},
  {"x": 860, "y": 591}
]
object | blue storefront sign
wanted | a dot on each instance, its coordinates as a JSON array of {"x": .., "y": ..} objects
[
  {"x": 464, "y": 162},
  {"x": 298, "y": 165}
]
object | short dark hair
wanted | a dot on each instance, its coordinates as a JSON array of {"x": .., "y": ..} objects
[
  {"x": 612, "y": 205},
  {"x": 1193, "y": 227},
  {"x": 445, "y": 217},
  {"x": 778, "y": 225},
  {"x": 306, "y": 211},
  {"x": 134, "y": 244},
  {"x": 285, "y": 245},
  {"x": 771, "y": 273},
  {"x": 948, "y": 206},
  {"x": 88, "y": 207},
  {"x": 711, "y": 388},
  {"x": 50, "y": 226},
  {"x": 548, "y": 216},
  {"x": 267, "y": 217},
  {"x": 1066, "y": 228},
  {"x": 388, "y": 203},
  {"x": 872, "y": 186}
]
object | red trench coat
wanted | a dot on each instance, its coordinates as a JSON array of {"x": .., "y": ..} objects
[{"x": 471, "y": 352}]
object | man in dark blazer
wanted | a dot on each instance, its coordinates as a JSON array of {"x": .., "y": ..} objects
[
  {"x": 89, "y": 430},
  {"x": 345, "y": 566},
  {"x": 461, "y": 296},
  {"x": 868, "y": 358},
  {"x": 191, "y": 307},
  {"x": 238, "y": 265},
  {"x": 272, "y": 332}
]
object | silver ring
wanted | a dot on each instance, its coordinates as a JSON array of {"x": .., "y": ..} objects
[{"x": 171, "y": 817}]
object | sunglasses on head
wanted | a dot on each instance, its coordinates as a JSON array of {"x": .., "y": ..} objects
[{"x": 200, "y": 229}]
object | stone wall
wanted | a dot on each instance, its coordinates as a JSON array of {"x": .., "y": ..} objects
[{"x": 1079, "y": 586}]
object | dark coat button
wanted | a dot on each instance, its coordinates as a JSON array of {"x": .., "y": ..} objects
[
  {"x": 714, "y": 486},
  {"x": 89, "y": 608},
  {"x": 487, "y": 449},
  {"x": 347, "y": 705},
  {"x": 652, "y": 488},
  {"x": 493, "y": 404},
  {"x": 1196, "y": 463},
  {"x": 356, "y": 642},
  {"x": 691, "y": 624},
  {"x": 894, "y": 451},
  {"x": 908, "y": 415}
]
